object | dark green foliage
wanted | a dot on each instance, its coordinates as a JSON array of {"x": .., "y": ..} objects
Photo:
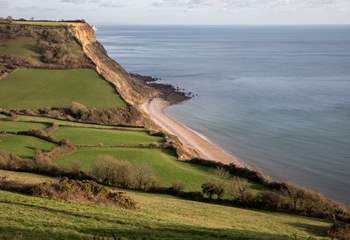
[{"x": 211, "y": 189}]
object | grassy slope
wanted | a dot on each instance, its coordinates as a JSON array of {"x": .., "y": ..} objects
[
  {"x": 74, "y": 124},
  {"x": 105, "y": 136},
  {"x": 11, "y": 126},
  {"x": 25, "y": 177},
  {"x": 23, "y": 145},
  {"x": 157, "y": 217},
  {"x": 165, "y": 166},
  {"x": 40, "y": 23},
  {"x": 56, "y": 88},
  {"x": 23, "y": 47}
]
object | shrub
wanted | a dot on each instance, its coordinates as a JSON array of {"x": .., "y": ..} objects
[
  {"x": 211, "y": 189},
  {"x": 340, "y": 231},
  {"x": 270, "y": 200},
  {"x": 71, "y": 190},
  {"x": 78, "y": 109},
  {"x": 177, "y": 187},
  {"x": 144, "y": 178},
  {"x": 113, "y": 172},
  {"x": 238, "y": 188}
]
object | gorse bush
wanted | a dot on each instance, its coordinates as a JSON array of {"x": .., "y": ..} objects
[
  {"x": 71, "y": 190},
  {"x": 118, "y": 173}
]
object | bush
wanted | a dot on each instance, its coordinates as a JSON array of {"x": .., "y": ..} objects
[
  {"x": 211, "y": 189},
  {"x": 113, "y": 172},
  {"x": 144, "y": 178},
  {"x": 71, "y": 190},
  {"x": 340, "y": 231},
  {"x": 123, "y": 174},
  {"x": 239, "y": 189},
  {"x": 177, "y": 187}
]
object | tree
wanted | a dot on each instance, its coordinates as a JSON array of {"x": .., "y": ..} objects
[
  {"x": 144, "y": 178},
  {"x": 238, "y": 188},
  {"x": 211, "y": 189}
]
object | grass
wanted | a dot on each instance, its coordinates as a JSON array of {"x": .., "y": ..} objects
[
  {"x": 26, "y": 48},
  {"x": 40, "y": 23},
  {"x": 157, "y": 217},
  {"x": 25, "y": 177},
  {"x": 38, "y": 88},
  {"x": 11, "y": 126},
  {"x": 164, "y": 164},
  {"x": 23, "y": 47},
  {"x": 107, "y": 137},
  {"x": 23, "y": 146},
  {"x": 23, "y": 118}
]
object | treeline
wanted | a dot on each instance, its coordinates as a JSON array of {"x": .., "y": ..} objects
[{"x": 276, "y": 196}]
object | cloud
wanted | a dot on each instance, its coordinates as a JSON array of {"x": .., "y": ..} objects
[
  {"x": 4, "y": 4},
  {"x": 245, "y": 3},
  {"x": 100, "y": 3}
]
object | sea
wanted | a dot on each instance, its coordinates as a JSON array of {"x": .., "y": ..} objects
[{"x": 276, "y": 97}]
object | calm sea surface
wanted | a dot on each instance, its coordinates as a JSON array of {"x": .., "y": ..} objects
[{"x": 276, "y": 97}]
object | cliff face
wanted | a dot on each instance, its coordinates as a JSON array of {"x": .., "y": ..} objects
[{"x": 133, "y": 91}]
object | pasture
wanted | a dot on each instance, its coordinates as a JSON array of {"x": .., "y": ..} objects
[{"x": 39, "y": 88}]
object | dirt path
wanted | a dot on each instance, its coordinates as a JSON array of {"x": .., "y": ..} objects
[{"x": 207, "y": 150}]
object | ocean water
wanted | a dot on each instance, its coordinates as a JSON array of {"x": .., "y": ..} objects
[{"x": 276, "y": 97}]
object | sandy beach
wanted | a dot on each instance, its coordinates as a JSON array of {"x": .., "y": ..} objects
[{"x": 206, "y": 149}]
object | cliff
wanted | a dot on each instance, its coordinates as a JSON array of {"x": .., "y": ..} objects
[{"x": 131, "y": 89}]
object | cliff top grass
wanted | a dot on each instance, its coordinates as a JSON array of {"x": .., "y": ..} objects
[
  {"x": 91, "y": 136},
  {"x": 157, "y": 217},
  {"x": 10, "y": 126},
  {"x": 39, "y": 88},
  {"x": 40, "y": 23},
  {"x": 23, "y": 146},
  {"x": 26, "y": 48},
  {"x": 28, "y": 178},
  {"x": 23, "y": 118}
]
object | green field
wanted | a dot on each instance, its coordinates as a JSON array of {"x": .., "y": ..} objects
[
  {"x": 23, "y": 118},
  {"x": 40, "y": 23},
  {"x": 91, "y": 136},
  {"x": 28, "y": 178},
  {"x": 38, "y": 88},
  {"x": 11, "y": 126},
  {"x": 23, "y": 146},
  {"x": 164, "y": 164},
  {"x": 157, "y": 217}
]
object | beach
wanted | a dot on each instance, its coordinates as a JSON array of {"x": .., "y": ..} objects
[{"x": 207, "y": 150}]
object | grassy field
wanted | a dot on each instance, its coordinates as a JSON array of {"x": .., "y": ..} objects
[
  {"x": 25, "y": 177},
  {"x": 106, "y": 137},
  {"x": 38, "y": 88},
  {"x": 11, "y": 126},
  {"x": 40, "y": 23},
  {"x": 165, "y": 165},
  {"x": 23, "y": 146},
  {"x": 157, "y": 217},
  {"x": 74, "y": 124}
]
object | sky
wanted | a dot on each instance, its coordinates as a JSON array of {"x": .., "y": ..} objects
[{"x": 184, "y": 12}]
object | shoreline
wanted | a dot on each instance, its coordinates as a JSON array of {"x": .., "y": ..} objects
[{"x": 205, "y": 149}]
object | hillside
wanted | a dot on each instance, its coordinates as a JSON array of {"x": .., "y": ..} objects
[{"x": 75, "y": 143}]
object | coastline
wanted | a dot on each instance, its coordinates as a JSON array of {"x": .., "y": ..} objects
[{"x": 155, "y": 109}]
